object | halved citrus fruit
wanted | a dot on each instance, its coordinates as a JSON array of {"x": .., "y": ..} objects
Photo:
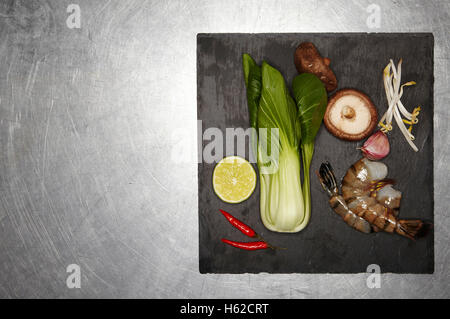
[{"x": 234, "y": 179}]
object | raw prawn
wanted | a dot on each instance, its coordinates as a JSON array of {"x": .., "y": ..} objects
[
  {"x": 368, "y": 195},
  {"x": 337, "y": 202}
]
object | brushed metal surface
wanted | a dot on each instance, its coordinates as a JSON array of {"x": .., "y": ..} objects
[{"x": 88, "y": 169}]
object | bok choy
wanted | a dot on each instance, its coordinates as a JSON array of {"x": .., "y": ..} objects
[
  {"x": 286, "y": 128},
  {"x": 311, "y": 98}
]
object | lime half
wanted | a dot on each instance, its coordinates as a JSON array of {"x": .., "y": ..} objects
[{"x": 234, "y": 179}]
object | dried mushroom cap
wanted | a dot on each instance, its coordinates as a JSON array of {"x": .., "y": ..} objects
[
  {"x": 307, "y": 59},
  {"x": 350, "y": 115}
]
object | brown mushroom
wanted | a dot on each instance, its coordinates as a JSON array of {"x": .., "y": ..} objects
[
  {"x": 350, "y": 115},
  {"x": 307, "y": 59}
]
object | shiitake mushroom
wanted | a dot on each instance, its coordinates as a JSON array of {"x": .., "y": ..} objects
[
  {"x": 350, "y": 115},
  {"x": 307, "y": 59}
]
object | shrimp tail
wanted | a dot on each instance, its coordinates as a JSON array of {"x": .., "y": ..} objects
[
  {"x": 327, "y": 179},
  {"x": 411, "y": 228}
]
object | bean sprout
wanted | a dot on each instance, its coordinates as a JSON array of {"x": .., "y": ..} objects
[{"x": 396, "y": 109}]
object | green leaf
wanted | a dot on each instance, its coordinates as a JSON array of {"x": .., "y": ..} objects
[
  {"x": 276, "y": 107},
  {"x": 252, "y": 76},
  {"x": 311, "y": 98}
]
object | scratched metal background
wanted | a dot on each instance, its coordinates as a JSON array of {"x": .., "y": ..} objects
[{"x": 88, "y": 169}]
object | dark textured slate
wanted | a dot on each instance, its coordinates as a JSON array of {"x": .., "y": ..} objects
[{"x": 327, "y": 245}]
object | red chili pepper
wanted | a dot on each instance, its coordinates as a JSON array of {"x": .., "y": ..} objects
[
  {"x": 255, "y": 245},
  {"x": 239, "y": 225}
]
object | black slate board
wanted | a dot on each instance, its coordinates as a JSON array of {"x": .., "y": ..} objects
[{"x": 327, "y": 245}]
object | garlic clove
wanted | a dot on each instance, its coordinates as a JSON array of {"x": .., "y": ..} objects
[{"x": 376, "y": 147}]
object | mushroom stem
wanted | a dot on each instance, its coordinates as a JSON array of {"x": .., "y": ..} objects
[{"x": 348, "y": 112}]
